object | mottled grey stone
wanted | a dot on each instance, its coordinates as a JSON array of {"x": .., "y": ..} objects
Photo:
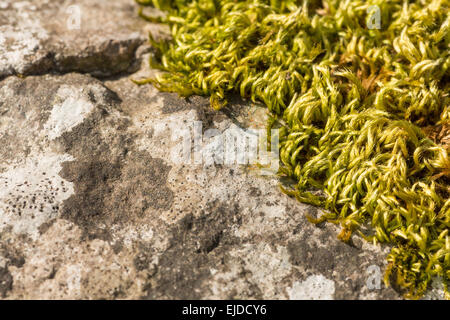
[{"x": 92, "y": 206}]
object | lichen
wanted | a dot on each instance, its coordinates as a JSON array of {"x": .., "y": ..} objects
[{"x": 352, "y": 104}]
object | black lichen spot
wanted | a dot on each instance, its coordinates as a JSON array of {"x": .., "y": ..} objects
[
  {"x": 196, "y": 246},
  {"x": 172, "y": 103},
  {"x": 6, "y": 282},
  {"x": 114, "y": 183},
  {"x": 338, "y": 261}
]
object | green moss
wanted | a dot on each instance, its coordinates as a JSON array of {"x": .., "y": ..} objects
[{"x": 350, "y": 102}]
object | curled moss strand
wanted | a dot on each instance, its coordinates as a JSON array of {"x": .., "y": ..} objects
[{"x": 352, "y": 103}]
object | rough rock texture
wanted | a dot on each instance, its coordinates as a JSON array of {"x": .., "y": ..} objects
[
  {"x": 96, "y": 37},
  {"x": 93, "y": 205}
]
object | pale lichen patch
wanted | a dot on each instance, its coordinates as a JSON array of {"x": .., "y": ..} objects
[
  {"x": 21, "y": 40},
  {"x": 315, "y": 287},
  {"x": 31, "y": 194},
  {"x": 72, "y": 110}
]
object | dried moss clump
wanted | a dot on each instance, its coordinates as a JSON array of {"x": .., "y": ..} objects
[{"x": 351, "y": 101}]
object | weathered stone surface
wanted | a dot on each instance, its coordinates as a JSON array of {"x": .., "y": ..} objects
[
  {"x": 93, "y": 205},
  {"x": 96, "y": 37}
]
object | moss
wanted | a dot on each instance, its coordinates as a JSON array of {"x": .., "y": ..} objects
[{"x": 351, "y": 103}]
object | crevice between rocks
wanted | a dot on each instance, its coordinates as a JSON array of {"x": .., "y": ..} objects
[{"x": 116, "y": 59}]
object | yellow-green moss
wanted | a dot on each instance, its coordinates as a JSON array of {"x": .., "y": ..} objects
[{"x": 350, "y": 101}]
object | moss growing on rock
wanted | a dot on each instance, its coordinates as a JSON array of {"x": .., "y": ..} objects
[{"x": 354, "y": 100}]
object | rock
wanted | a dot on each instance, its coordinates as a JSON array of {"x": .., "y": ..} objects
[
  {"x": 42, "y": 36},
  {"x": 96, "y": 204}
]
